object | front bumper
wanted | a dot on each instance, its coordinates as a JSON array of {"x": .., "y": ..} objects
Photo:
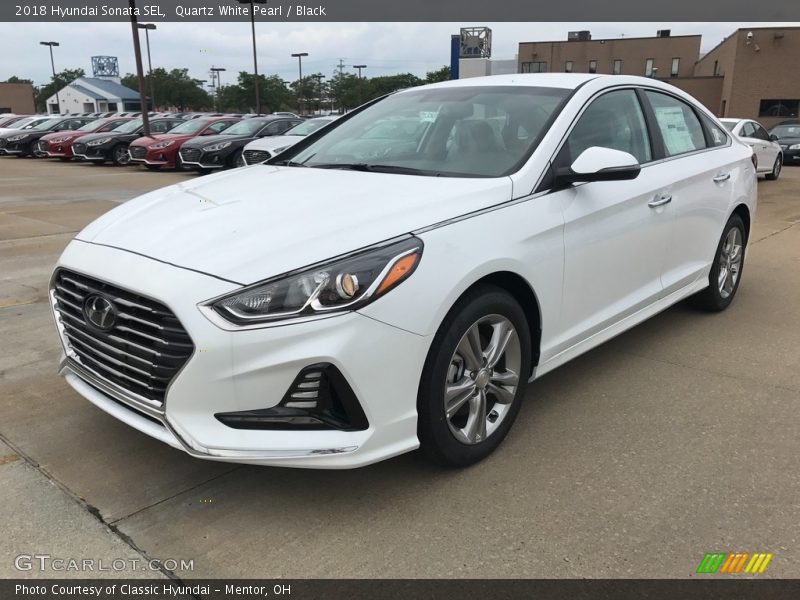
[
  {"x": 92, "y": 153},
  {"x": 232, "y": 371},
  {"x": 58, "y": 150},
  {"x": 791, "y": 157},
  {"x": 200, "y": 159},
  {"x": 159, "y": 158}
]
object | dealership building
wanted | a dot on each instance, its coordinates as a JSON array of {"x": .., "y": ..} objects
[{"x": 753, "y": 73}]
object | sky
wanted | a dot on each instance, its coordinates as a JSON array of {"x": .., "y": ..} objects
[{"x": 386, "y": 48}]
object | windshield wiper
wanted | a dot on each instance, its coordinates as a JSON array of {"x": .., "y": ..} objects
[
  {"x": 377, "y": 168},
  {"x": 288, "y": 163}
]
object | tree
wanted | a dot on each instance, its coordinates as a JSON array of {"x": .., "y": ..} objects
[
  {"x": 380, "y": 86},
  {"x": 442, "y": 74},
  {"x": 344, "y": 88},
  {"x": 241, "y": 97},
  {"x": 172, "y": 88},
  {"x": 57, "y": 83},
  {"x": 15, "y": 79}
]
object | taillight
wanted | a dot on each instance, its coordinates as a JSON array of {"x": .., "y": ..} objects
[{"x": 754, "y": 158}]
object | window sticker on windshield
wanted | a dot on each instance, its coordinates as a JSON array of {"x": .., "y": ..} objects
[
  {"x": 674, "y": 129},
  {"x": 427, "y": 116}
]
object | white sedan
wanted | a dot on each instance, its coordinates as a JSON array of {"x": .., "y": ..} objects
[
  {"x": 768, "y": 152},
  {"x": 265, "y": 148},
  {"x": 364, "y": 295}
]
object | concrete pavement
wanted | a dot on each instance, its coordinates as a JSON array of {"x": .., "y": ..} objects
[{"x": 675, "y": 439}]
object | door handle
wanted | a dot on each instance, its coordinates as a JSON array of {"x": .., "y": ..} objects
[
  {"x": 722, "y": 178},
  {"x": 660, "y": 201}
]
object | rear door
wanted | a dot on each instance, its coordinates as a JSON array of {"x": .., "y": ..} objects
[{"x": 697, "y": 173}]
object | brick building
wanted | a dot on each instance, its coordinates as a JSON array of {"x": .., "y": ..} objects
[
  {"x": 753, "y": 73},
  {"x": 16, "y": 98}
]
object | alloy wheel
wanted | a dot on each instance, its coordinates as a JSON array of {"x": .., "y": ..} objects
[
  {"x": 482, "y": 379},
  {"x": 121, "y": 156},
  {"x": 776, "y": 169},
  {"x": 730, "y": 262}
]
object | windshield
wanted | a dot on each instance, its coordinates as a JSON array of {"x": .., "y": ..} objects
[
  {"x": 458, "y": 131},
  {"x": 46, "y": 125},
  {"x": 308, "y": 127},
  {"x": 190, "y": 126},
  {"x": 22, "y": 123},
  {"x": 729, "y": 125},
  {"x": 783, "y": 131},
  {"x": 92, "y": 125},
  {"x": 129, "y": 127},
  {"x": 247, "y": 127}
]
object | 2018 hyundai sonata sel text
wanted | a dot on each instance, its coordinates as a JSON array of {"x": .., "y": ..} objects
[{"x": 359, "y": 297}]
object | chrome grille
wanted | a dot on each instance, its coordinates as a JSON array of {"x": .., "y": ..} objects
[
  {"x": 79, "y": 148},
  {"x": 3, "y": 143},
  {"x": 253, "y": 157},
  {"x": 42, "y": 145},
  {"x": 190, "y": 155},
  {"x": 140, "y": 354},
  {"x": 137, "y": 151}
]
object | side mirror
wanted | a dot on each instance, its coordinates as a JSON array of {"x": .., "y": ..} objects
[
  {"x": 599, "y": 164},
  {"x": 773, "y": 137}
]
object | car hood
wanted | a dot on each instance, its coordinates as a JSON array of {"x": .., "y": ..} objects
[
  {"x": 207, "y": 140},
  {"x": 276, "y": 141},
  {"x": 108, "y": 134},
  {"x": 70, "y": 135},
  {"x": 6, "y": 133},
  {"x": 147, "y": 140},
  {"x": 256, "y": 222},
  {"x": 788, "y": 140}
]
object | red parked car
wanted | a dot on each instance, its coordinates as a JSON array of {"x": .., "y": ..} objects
[
  {"x": 59, "y": 144},
  {"x": 161, "y": 150}
]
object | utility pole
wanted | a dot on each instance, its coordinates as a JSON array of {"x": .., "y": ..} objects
[
  {"x": 215, "y": 76},
  {"x": 255, "y": 54},
  {"x": 137, "y": 50},
  {"x": 341, "y": 66},
  {"x": 319, "y": 77}
]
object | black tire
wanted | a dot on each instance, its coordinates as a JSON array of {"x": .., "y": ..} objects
[
  {"x": 117, "y": 155},
  {"x": 437, "y": 442},
  {"x": 712, "y": 299},
  {"x": 236, "y": 160},
  {"x": 776, "y": 169}
]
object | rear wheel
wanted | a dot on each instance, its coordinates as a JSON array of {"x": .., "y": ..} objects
[
  {"x": 726, "y": 270},
  {"x": 474, "y": 378},
  {"x": 776, "y": 169}
]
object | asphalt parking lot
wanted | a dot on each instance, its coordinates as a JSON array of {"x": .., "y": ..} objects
[{"x": 675, "y": 439}]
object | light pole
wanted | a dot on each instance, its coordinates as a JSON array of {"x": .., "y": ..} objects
[
  {"x": 319, "y": 77},
  {"x": 53, "y": 64},
  {"x": 137, "y": 52},
  {"x": 299, "y": 56},
  {"x": 215, "y": 71},
  {"x": 359, "y": 67},
  {"x": 147, "y": 27},
  {"x": 255, "y": 55}
]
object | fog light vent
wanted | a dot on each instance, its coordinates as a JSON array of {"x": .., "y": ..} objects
[{"x": 319, "y": 398}]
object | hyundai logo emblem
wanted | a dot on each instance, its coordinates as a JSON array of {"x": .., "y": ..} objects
[{"x": 99, "y": 312}]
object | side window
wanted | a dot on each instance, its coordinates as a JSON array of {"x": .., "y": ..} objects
[
  {"x": 220, "y": 126},
  {"x": 158, "y": 127},
  {"x": 615, "y": 120},
  {"x": 761, "y": 133},
  {"x": 278, "y": 128},
  {"x": 679, "y": 126},
  {"x": 748, "y": 130},
  {"x": 717, "y": 136}
]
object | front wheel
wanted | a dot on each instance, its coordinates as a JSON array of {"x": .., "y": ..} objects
[
  {"x": 237, "y": 160},
  {"x": 474, "y": 378},
  {"x": 120, "y": 156},
  {"x": 776, "y": 169},
  {"x": 726, "y": 270}
]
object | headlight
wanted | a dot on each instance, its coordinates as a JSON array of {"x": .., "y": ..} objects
[
  {"x": 16, "y": 138},
  {"x": 794, "y": 147},
  {"x": 215, "y": 147},
  {"x": 59, "y": 140},
  {"x": 337, "y": 286},
  {"x": 99, "y": 142},
  {"x": 160, "y": 145}
]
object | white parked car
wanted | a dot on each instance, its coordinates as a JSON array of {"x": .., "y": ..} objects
[
  {"x": 29, "y": 123},
  {"x": 768, "y": 152},
  {"x": 265, "y": 148},
  {"x": 360, "y": 296}
]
